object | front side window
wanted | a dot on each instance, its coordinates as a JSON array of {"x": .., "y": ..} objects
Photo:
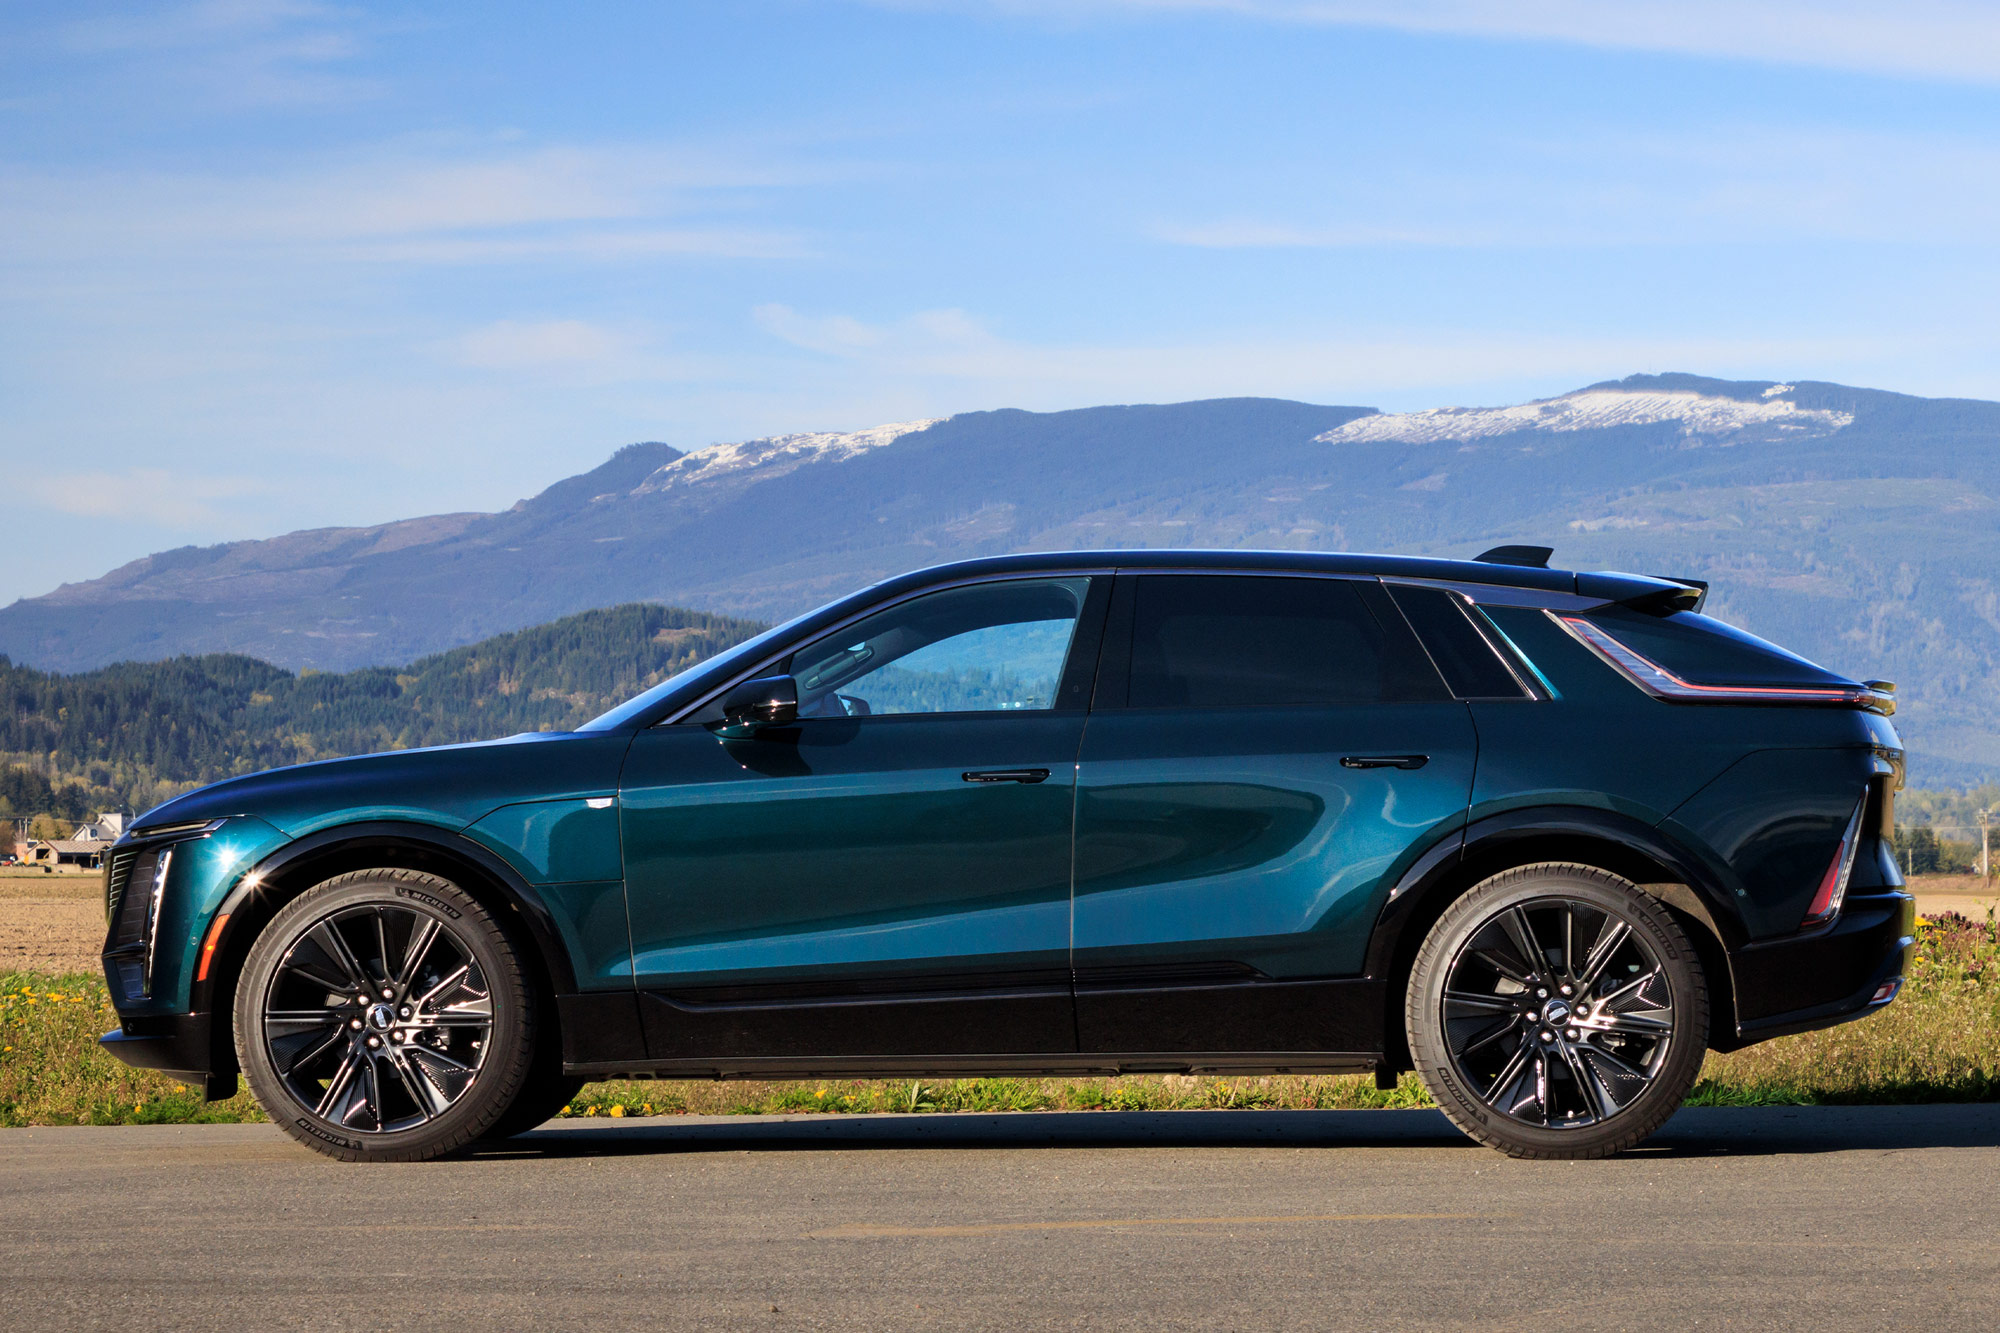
[
  {"x": 1223, "y": 641},
  {"x": 990, "y": 647}
]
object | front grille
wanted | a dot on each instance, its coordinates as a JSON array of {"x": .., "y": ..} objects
[
  {"x": 117, "y": 874},
  {"x": 135, "y": 898}
]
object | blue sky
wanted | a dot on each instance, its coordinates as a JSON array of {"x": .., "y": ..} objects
[{"x": 268, "y": 265}]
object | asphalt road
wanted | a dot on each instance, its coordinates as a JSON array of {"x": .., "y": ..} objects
[{"x": 1793, "y": 1218}]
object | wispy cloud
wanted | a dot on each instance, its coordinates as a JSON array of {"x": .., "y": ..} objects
[
  {"x": 1951, "y": 39},
  {"x": 240, "y": 52},
  {"x": 177, "y": 501},
  {"x": 960, "y": 357},
  {"x": 1706, "y": 185},
  {"x": 454, "y": 204}
]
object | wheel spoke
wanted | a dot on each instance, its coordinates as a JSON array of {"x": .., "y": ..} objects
[
  {"x": 1522, "y": 935},
  {"x": 421, "y": 939},
  {"x": 1484, "y": 1003},
  {"x": 452, "y": 980},
  {"x": 1495, "y": 1034},
  {"x": 1623, "y": 1077},
  {"x": 1631, "y": 1025},
  {"x": 339, "y": 1100},
  {"x": 1587, "y": 1085},
  {"x": 1510, "y": 1074},
  {"x": 1630, "y": 990},
  {"x": 1610, "y": 936},
  {"x": 1506, "y": 967},
  {"x": 327, "y": 937},
  {"x": 430, "y": 1099}
]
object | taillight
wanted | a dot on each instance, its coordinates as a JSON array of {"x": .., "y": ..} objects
[
  {"x": 1661, "y": 683},
  {"x": 1833, "y": 884}
]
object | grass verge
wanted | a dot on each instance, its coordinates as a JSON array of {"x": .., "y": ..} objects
[{"x": 1940, "y": 1042}]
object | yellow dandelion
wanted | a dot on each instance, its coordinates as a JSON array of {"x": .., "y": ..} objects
[{"x": 617, "y": 1112}]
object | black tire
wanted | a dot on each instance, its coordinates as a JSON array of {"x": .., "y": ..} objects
[
  {"x": 385, "y": 1016},
  {"x": 1564, "y": 1054},
  {"x": 535, "y": 1105}
]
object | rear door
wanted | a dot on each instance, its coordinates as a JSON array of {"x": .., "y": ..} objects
[{"x": 1263, "y": 753}]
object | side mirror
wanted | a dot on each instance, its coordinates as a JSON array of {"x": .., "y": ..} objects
[{"x": 768, "y": 701}]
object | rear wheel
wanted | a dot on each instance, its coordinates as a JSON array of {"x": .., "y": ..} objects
[
  {"x": 384, "y": 1015},
  {"x": 1557, "y": 1011}
]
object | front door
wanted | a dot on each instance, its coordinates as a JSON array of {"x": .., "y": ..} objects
[
  {"x": 1264, "y": 752},
  {"x": 890, "y": 875}
]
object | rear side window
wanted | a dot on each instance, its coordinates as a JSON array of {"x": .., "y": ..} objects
[
  {"x": 1219, "y": 641},
  {"x": 1467, "y": 661}
]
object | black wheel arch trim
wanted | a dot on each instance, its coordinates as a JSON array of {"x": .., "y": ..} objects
[{"x": 1490, "y": 837}]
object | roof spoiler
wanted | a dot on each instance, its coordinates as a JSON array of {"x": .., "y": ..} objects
[{"x": 1659, "y": 595}]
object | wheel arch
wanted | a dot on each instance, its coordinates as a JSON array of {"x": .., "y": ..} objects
[
  {"x": 297, "y": 866},
  {"x": 1604, "y": 839}
]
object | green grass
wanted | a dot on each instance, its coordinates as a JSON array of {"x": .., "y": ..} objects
[{"x": 1939, "y": 1043}]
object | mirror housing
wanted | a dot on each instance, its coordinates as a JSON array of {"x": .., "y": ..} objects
[{"x": 768, "y": 701}]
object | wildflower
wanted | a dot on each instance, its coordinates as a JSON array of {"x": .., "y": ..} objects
[{"x": 617, "y": 1112}]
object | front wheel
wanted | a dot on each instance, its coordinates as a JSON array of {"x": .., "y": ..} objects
[
  {"x": 384, "y": 1016},
  {"x": 1557, "y": 1011}
]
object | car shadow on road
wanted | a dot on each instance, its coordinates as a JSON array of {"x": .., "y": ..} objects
[{"x": 1695, "y": 1132}]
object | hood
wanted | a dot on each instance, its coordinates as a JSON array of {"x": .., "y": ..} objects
[{"x": 448, "y": 786}]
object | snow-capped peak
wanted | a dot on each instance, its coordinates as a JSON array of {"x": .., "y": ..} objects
[
  {"x": 1700, "y": 414},
  {"x": 776, "y": 454}
]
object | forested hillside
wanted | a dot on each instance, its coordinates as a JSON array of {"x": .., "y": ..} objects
[{"x": 131, "y": 735}]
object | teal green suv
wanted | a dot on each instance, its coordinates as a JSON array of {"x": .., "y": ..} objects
[{"x": 1543, "y": 837}]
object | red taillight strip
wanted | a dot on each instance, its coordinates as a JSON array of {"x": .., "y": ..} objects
[
  {"x": 1661, "y": 683},
  {"x": 1833, "y": 884}
]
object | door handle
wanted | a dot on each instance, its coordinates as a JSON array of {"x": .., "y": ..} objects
[
  {"x": 1385, "y": 761},
  {"x": 1028, "y": 775}
]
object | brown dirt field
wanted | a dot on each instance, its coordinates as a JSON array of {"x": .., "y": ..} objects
[{"x": 51, "y": 923}]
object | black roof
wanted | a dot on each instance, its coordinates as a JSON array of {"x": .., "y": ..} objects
[{"x": 1609, "y": 586}]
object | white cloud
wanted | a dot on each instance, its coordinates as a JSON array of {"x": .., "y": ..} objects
[
  {"x": 174, "y": 500},
  {"x": 1950, "y": 39},
  {"x": 471, "y": 203},
  {"x": 948, "y": 356},
  {"x": 508, "y": 345},
  {"x": 1710, "y": 185},
  {"x": 234, "y": 52}
]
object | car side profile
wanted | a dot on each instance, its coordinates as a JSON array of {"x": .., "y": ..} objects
[{"x": 1543, "y": 837}]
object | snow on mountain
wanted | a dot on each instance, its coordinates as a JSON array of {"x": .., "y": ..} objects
[
  {"x": 1700, "y": 415},
  {"x": 775, "y": 454}
]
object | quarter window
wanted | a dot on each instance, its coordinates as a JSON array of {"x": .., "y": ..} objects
[
  {"x": 984, "y": 648},
  {"x": 1215, "y": 641}
]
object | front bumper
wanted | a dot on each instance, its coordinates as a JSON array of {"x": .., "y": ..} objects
[
  {"x": 181, "y": 1046},
  {"x": 1816, "y": 981}
]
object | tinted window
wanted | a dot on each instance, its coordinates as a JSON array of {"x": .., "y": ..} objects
[
  {"x": 1468, "y": 662},
  {"x": 988, "y": 647},
  {"x": 1216, "y": 641}
]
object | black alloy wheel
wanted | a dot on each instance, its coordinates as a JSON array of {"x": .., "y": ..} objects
[
  {"x": 1557, "y": 1011},
  {"x": 384, "y": 1015}
]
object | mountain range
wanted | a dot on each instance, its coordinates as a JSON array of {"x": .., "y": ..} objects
[{"x": 1853, "y": 525}]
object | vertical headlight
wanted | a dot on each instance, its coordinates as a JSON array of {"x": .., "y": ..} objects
[{"x": 161, "y": 864}]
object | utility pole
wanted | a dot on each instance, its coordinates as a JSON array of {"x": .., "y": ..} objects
[{"x": 1985, "y": 844}]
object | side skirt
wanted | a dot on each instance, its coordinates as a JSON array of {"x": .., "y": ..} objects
[{"x": 1095, "y": 1065}]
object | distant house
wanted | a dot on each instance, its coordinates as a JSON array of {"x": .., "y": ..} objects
[
  {"x": 107, "y": 827},
  {"x": 84, "y": 853},
  {"x": 83, "y": 849}
]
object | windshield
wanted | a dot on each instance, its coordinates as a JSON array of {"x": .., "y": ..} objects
[{"x": 723, "y": 660}]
